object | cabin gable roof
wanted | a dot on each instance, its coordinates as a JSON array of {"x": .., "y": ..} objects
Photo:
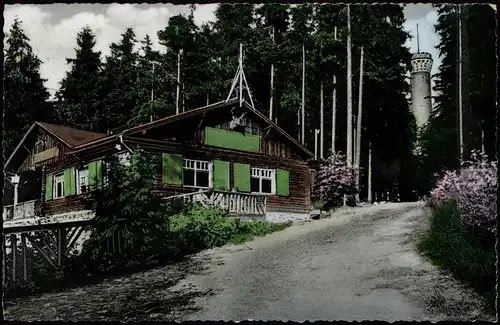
[
  {"x": 218, "y": 107},
  {"x": 69, "y": 137}
]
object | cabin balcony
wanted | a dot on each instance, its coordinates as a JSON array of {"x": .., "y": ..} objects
[
  {"x": 23, "y": 210},
  {"x": 237, "y": 204}
]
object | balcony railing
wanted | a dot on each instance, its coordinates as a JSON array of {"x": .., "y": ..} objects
[
  {"x": 235, "y": 203},
  {"x": 23, "y": 210}
]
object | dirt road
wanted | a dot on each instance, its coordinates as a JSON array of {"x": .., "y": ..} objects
[
  {"x": 349, "y": 267},
  {"x": 360, "y": 264}
]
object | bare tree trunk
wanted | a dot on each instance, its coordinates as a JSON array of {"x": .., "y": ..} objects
[
  {"x": 322, "y": 123},
  {"x": 272, "y": 84},
  {"x": 369, "y": 197},
  {"x": 349, "y": 90},
  {"x": 459, "y": 74},
  {"x": 298, "y": 125},
  {"x": 183, "y": 96},
  {"x": 358, "y": 128},
  {"x": 178, "y": 81},
  {"x": 271, "y": 97},
  {"x": 302, "y": 138},
  {"x": 334, "y": 111},
  {"x": 334, "y": 102}
]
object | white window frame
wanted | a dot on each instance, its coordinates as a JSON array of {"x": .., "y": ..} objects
[
  {"x": 78, "y": 180},
  {"x": 198, "y": 165},
  {"x": 264, "y": 173},
  {"x": 104, "y": 172},
  {"x": 57, "y": 178}
]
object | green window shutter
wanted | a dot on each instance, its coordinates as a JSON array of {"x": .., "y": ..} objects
[
  {"x": 282, "y": 182},
  {"x": 69, "y": 181},
  {"x": 92, "y": 174},
  {"x": 172, "y": 169},
  {"x": 98, "y": 173},
  {"x": 242, "y": 177},
  {"x": 95, "y": 174},
  {"x": 48, "y": 187},
  {"x": 221, "y": 175}
]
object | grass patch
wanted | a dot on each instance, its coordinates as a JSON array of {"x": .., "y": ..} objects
[
  {"x": 248, "y": 230},
  {"x": 450, "y": 247}
]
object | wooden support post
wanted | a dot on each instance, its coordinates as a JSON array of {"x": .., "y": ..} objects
[
  {"x": 25, "y": 257},
  {"x": 4, "y": 252},
  {"x": 13, "y": 247},
  {"x": 61, "y": 245}
]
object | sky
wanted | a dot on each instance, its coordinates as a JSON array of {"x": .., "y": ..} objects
[{"x": 52, "y": 28}]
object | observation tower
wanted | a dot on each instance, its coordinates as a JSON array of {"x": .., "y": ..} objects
[{"x": 421, "y": 104}]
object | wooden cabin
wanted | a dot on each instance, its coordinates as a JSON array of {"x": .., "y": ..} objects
[{"x": 227, "y": 152}]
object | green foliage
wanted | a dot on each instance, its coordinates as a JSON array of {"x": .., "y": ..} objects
[
  {"x": 449, "y": 246},
  {"x": 197, "y": 228},
  {"x": 129, "y": 214}
]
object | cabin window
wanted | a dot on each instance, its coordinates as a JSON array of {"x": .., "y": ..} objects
[
  {"x": 197, "y": 173},
  {"x": 58, "y": 186},
  {"x": 262, "y": 181},
  {"x": 82, "y": 180}
]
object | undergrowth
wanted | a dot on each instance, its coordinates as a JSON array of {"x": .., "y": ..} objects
[{"x": 451, "y": 247}]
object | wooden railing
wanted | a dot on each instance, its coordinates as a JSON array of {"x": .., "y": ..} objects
[
  {"x": 235, "y": 203},
  {"x": 23, "y": 210}
]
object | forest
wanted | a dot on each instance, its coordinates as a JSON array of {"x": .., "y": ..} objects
[{"x": 136, "y": 83}]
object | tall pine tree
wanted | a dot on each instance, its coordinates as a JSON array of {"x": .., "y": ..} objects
[
  {"x": 119, "y": 84},
  {"x": 79, "y": 102},
  {"x": 441, "y": 137},
  {"x": 25, "y": 97}
]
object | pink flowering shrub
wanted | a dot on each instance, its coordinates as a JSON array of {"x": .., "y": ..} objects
[
  {"x": 477, "y": 195},
  {"x": 474, "y": 190},
  {"x": 334, "y": 180},
  {"x": 447, "y": 188}
]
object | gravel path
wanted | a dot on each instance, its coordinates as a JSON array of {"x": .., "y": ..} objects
[{"x": 360, "y": 264}]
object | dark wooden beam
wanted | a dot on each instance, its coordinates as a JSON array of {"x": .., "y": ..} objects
[
  {"x": 25, "y": 257},
  {"x": 41, "y": 251},
  {"x": 13, "y": 247}
]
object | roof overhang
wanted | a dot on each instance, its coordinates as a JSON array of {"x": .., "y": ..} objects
[
  {"x": 6, "y": 166},
  {"x": 177, "y": 117}
]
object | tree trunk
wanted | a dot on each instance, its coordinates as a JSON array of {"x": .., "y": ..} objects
[
  {"x": 369, "y": 196},
  {"x": 302, "y": 137},
  {"x": 358, "y": 127},
  {"x": 349, "y": 90},
  {"x": 322, "y": 122}
]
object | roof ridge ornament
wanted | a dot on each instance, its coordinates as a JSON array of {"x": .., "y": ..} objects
[{"x": 242, "y": 80}]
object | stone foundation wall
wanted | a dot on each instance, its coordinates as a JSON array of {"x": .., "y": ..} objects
[{"x": 286, "y": 216}]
